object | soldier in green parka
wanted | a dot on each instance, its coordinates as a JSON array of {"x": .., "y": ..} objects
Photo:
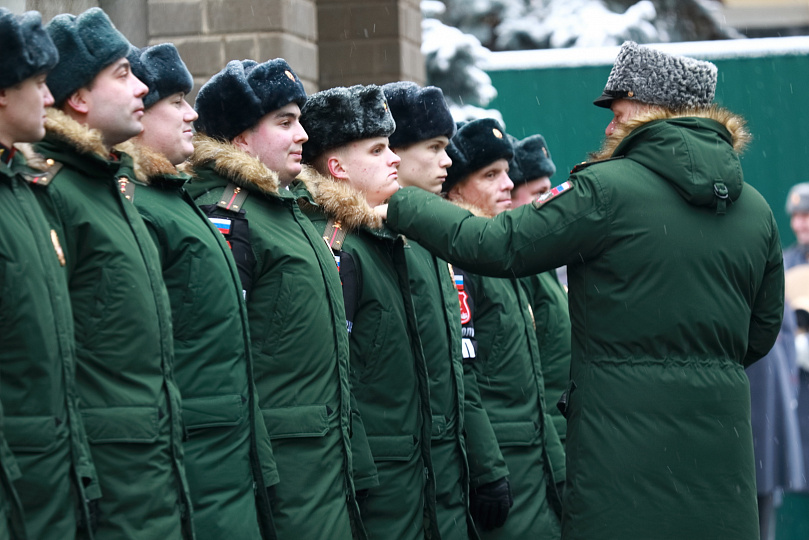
[
  {"x": 122, "y": 319},
  {"x": 228, "y": 455},
  {"x": 676, "y": 284},
  {"x": 424, "y": 126},
  {"x": 531, "y": 170},
  {"x": 247, "y": 151},
  {"x": 354, "y": 169},
  {"x": 37, "y": 356},
  {"x": 505, "y": 355}
]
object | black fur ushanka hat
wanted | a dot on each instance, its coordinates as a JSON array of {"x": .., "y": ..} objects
[
  {"x": 420, "y": 113},
  {"x": 475, "y": 145},
  {"x": 161, "y": 69},
  {"x": 531, "y": 159},
  {"x": 338, "y": 116},
  {"x": 87, "y": 44},
  {"x": 239, "y": 96},
  {"x": 27, "y": 49}
]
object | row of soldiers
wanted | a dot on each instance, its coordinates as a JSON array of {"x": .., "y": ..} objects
[{"x": 207, "y": 331}]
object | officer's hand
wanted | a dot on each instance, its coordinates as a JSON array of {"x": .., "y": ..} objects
[
  {"x": 381, "y": 211},
  {"x": 490, "y": 503},
  {"x": 271, "y": 494},
  {"x": 361, "y": 495}
]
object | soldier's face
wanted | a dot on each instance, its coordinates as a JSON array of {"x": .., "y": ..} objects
[
  {"x": 529, "y": 191},
  {"x": 488, "y": 188},
  {"x": 424, "y": 164},
  {"x": 623, "y": 110},
  {"x": 371, "y": 167},
  {"x": 113, "y": 103},
  {"x": 800, "y": 226},
  {"x": 277, "y": 141},
  {"x": 23, "y": 109},
  {"x": 167, "y": 128}
]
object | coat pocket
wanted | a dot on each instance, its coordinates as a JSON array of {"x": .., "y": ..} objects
[
  {"x": 213, "y": 411},
  {"x": 517, "y": 433},
  {"x": 30, "y": 433},
  {"x": 440, "y": 429},
  {"x": 297, "y": 422},
  {"x": 392, "y": 447},
  {"x": 121, "y": 425}
]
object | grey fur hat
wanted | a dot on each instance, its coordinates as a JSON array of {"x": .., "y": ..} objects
[
  {"x": 239, "y": 96},
  {"x": 87, "y": 44},
  {"x": 161, "y": 69},
  {"x": 338, "y": 116},
  {"x": 420, "y": 113},
  {"x": 475, "y": 145},
  {"x": 531, "y": 159},
  {"x": 798, "y": 198},
  {"x": 653, "y": 77},
  {"x": 27, "y": 48}
]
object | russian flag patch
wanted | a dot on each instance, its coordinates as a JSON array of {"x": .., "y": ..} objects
[
  {"x": 553, "y": 193},
  {"x": 222, "y": 224}
]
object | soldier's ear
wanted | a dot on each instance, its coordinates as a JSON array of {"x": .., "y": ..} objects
[
  {"x": 79, "y": 101},
  {"x": 3, "y": 98},
  {"x": 336, "y": 167}
]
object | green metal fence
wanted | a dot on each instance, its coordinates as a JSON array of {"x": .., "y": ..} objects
[{"x": 765, "y": 80}]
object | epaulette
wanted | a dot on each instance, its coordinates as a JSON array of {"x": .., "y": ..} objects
[
  {"x": 42, "y": 178},
  {"x": 334, "y": 235},
  {"x": 584, "y": 164},
  {"x": 232, "y": 198}
]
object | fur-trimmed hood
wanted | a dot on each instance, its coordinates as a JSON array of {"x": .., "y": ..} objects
[
  {"x": 696, "y": 151},
  {"x": 338, "y": 200},
  {"x": 735, "y": 124},
  {"x": 234, "y": 164}
]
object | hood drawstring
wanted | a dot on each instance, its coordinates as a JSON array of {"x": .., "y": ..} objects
[{"x": 721, "y": 192}]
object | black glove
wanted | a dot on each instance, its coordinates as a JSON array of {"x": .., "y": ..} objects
[
  {"x": 489, "y": 504},
  {"x": 361, "y": 495},
  {"x": 271, "y": 494}
]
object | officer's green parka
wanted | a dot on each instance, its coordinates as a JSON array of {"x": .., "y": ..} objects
[
  {"x": 228, "y": 455},
  {"x": 38, "y": 362},
  {"x": 299, "y": 343},
  {"x": 129, "y": 401},
  {"x": 676, "y": 284},
  {"x": 549, "y": 303},
  {"x": 388, "y": 373}
]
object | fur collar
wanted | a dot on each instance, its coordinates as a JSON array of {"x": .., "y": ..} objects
[
  {"x": 150, "y": 166},
  {"x": 474, "y": 210},
  {"x": 338, "y": 200},
  {"x": 735, "y": 124},
  {"x": 33, "y": 159},
  {"x": 236, "y": 165},
  {"x": 83, "y": 139}
]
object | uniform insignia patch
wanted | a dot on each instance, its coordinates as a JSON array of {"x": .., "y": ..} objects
[
  {"x": 466, "y": 313},
  {"x": 222, "y": 224},
  {"x": 555, "y": 192}
]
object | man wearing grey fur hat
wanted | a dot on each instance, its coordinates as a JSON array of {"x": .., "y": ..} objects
[
  {"x": 676, "y": 284},
  {"x": 228, "y": 450},
  {"x": 129, "y": 401},
  {"x": 353, "y": 170},
  {"x": 246, "y": 152},
  {"x": 53, "y": 474}
]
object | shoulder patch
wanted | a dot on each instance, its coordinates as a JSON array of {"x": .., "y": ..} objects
[
  {"x": 553, "y": 193},
  {"x": 42, "y": 178}
]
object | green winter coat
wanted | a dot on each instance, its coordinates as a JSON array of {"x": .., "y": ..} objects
[
  {"x": 549, "y": 303},
  {"x": 673, "y": 290},
  {"x": 228, "y": 444},
  {"x": 38, "y": 365},
  {"x": 12, "y": 521},
  {"x": 122, "y": 319},
  {"x": 435, "y": 301},
  {"x": 388, "y": 373},
  {"x": 299, "y": 343},
  {"x": 507, "y": 365}
]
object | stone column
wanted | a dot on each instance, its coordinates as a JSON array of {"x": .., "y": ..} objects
[{"x": 369, "y": 41}]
